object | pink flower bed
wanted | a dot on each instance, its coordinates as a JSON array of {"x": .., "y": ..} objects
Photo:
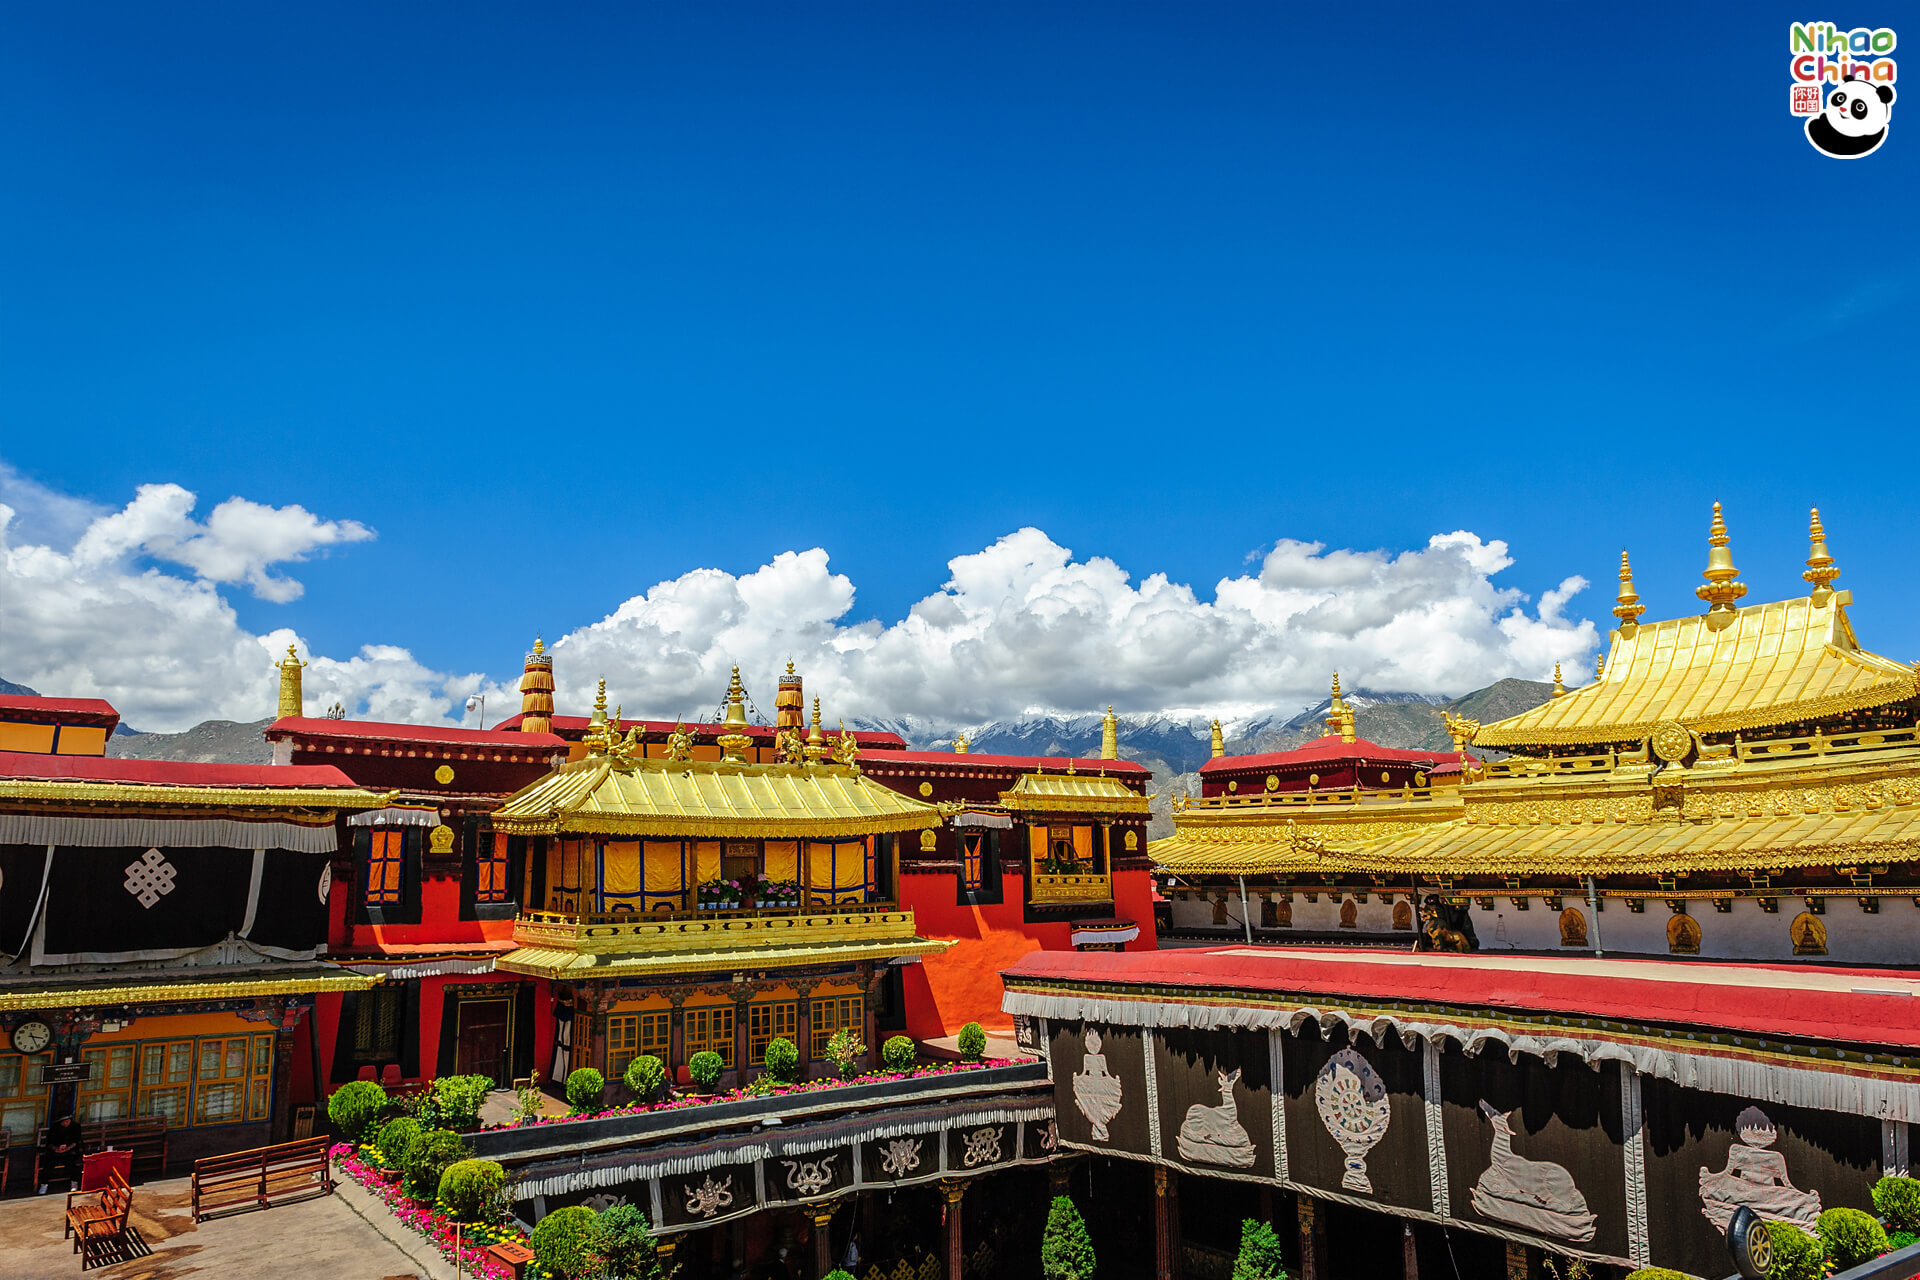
[
  {"x": 804, "y": 1086},
  {"x": 470, "y": 1243}
]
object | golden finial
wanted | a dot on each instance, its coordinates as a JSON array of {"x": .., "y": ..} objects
[
  {"x": 734, "y": 743},
  {"x": 1109, "y": 735},
  {"x": 1217, "y": 741},
  {"x": 960, "y": 744},
  {"x": 292, "y": 701},
  {"x": 790, "y": 670},
  {"x": 1559, "y": 689},
  {"x": 1629, "y": 608},
  {"x": 1723, "y": 587},
  {"x": 599, "y": 733},
  {"x": 1599, "y": 667},
  {"x": 1336, "y": 711},
  {"x": 817, "y": 749},
  {"x": 599, "y": 715},
  {"x": 1820, "y": 571},
  {"x": 1347, "y": 733},
  {"x": 536, "y": 691},
  {"x": 539, "y": 646}
]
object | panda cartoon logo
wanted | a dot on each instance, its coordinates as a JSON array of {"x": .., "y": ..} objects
[{"x": 1854, "y": 122}]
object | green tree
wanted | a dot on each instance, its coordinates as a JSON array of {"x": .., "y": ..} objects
[
  {"x": 1796, "y": 1255},
  {"x": 897, "y": 1054},
  {"x": 1259, "y": 1257},
  {"x": 471, "y": 1188},
  {"x": 427, "y": 1159},
  {"x": 705, "y": 1067},
  {"x": 585, "y": 1087},
  {"x": 972, "y": 1042},
  {"x": 783, "y": 1060},
  {"x": 623, "y": 1239},
  {"x": 844, "y": 1051},
  {"x": 563, "y": 1243},
  {"x": 1851, "y": 1237},
  {"x": 646, "y": 1077},
  {"x": 1066, "y": 1251}
]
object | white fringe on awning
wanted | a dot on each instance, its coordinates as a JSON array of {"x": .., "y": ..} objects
[
  {"x": 165, "y": 833},
  {"x": 1826, "y": 1088},
  {"x": 395, "y": 816},
  {"x": 1081, "y": 937},
  {"x": 964, "y": 1120},
  {"x": 422, "y": 968},
  {"x": 970, "y": 818}
]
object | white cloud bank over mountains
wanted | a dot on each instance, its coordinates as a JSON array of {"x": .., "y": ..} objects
[{"x": 127, "y": 605}]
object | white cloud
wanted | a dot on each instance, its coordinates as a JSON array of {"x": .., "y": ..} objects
[{"x": 1018, "y": 626}]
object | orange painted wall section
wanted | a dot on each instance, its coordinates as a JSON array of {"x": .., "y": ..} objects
[{"x": 944, "y": 993}]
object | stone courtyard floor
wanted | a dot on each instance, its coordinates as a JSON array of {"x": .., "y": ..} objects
[{"x": 345, "y": 1236}]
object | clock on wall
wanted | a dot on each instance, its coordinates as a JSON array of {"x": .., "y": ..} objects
[{"x": 32, "y": 1036}]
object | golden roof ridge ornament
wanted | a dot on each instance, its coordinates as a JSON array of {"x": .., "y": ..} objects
[
  {"x": 734, "y": 743},
  {"x": 960, "y": 743},
  {"x": 595, "y": 738},
  {"x": 292, "y": 701},
  {"x": 1599, "y": 667},
  {"x": 1628, "y": 609},
  {"x": 1723, "y": 585},
  {"x": 1217, "y": 741},
  {"x": 816, "y": 741},
  {"x": 1109, "y": 735},
  {"x": 1559, "y": 686},
  {"x": 1820, "y": 571},
  {"x": 1336, "y": 712}
]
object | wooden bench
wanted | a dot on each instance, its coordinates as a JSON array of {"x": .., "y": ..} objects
[
  {"x": 261, "y": 1177},
  {"x": 145, "y": 1136},
  {"x": 100, "y": 1220}
]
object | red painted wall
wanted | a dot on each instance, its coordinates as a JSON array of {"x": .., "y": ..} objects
[{"x": 944, "y": 993}]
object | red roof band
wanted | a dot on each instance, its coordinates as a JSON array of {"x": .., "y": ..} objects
[
  {"x": 26, "y": 766},
  {"x": 376, "y": 730}
]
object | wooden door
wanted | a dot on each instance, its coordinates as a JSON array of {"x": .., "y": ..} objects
[{"x": 483, "y": 1040}]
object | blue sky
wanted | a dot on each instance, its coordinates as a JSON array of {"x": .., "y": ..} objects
[{"x": 564, "y": 304}]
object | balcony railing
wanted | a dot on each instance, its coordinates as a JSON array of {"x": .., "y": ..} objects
[
  {"x": 623, "y": 931},
  {"x": 1058, "y": 890}
]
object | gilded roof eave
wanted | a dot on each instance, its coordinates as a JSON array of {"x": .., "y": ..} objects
[
  {"x": 605, "y": 795},
  {"x": 560, "y": 963},
  {"x": 1772, "y": 664},
  {"x": 1072, "y": 793},
  {"x": 76, "y": 791}
]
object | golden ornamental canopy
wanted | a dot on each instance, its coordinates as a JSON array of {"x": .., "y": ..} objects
[{"x": 1072, "y": 793}]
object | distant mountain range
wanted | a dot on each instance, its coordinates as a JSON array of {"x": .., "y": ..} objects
[{"x": 209, "y": 742}]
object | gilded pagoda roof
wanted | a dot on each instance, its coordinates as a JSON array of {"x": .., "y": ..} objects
[
  {"x": 1072, "y": 793},
  {"x": 612, "y": 795},
  {"x": 1772, "y": 664}
]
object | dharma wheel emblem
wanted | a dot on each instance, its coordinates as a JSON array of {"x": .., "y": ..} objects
[{"x": 1671, "y": 741}]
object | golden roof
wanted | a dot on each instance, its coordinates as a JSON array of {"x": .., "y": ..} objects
[
  {"x": 1276, "y": 834},
  {"x": 221, "y": 796},
  {"x": 560, "y": 963},
  {"x": 50, "y": 995},
  {"x": 614, "y": 794},
  {"x": 1072, "y": 793},
  {"x": 1749, "y": 668}
]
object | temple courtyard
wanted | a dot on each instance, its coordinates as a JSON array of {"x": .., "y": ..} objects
[{"x": 327, "y": 1236}]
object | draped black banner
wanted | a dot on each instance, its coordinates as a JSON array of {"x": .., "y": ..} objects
[
  {"x": 1216, "y": 1101},
  {"x": 692, "y": 1199},
  {"x": 291, "y": 914},
  {"x": 809, "y": 1175},
  {"x": 1535, "y": 1149},
  {"x": 1356, "y": 1121},
  {"x": 1709, "y": 1153},
  {"x": 1100, "y": 1086},
  {"x": 22, "y": 866},
  {"x": 134, "y": 901},
  {"x": 972, "y": 1148}
]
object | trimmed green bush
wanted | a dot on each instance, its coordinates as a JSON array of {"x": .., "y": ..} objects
[
  {"x": 783, "y": 1060},
  {"x": 395, "y": 1138},
  {"x": 354, "y": 1106},
  {"x": 469, "y": 1188},
  {"x": 1796, "y": 1255},
  {"x": 646, "y": 1077},
  {"x": 1259, "y": 1257},
  {"x": 427, "y": 1159},
  {"x": 973, "y": 1042},
  {"x": 1898, "y": 1201},
  {"x": 1657, "y": 1273},
  {"x": 585, "y": 1087},
  {"x": 897, "y": 1054},
  {"x": 1066, "y": 1250},
  {"x": 705, "y": 1067},
  {"x": 1901, "y": 1239},
  {"x": 563, "y": 1243},
  {"x": 1851, "y": 1236},
  {"x": 837, "y": 1274},
  {"x": 458, "y": 1099},
  {"x": 623, "y": 1240}
]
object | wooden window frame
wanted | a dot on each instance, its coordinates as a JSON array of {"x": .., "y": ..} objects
[
  {"x": 386, "y": 882},
  {"x": 25, "y": 1093},
  {"x": 710, "y": 1027},
  {"x": 100, "y": 1084},
  {"x": 829, "y": 1014},
  {"x": 768, "y": 1020}
]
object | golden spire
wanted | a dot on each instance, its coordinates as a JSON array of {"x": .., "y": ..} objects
[
  {"x": 292, "y": 702},
  {"x": 536, "y": 691},
  {"x": 1723, "y": 587},
  {"x": 1336, "y": 711},
  {"x": 1599, "y": 667},
  {"x": 1346, "y": 725},
  {"x": 1109, "y": 735},
  {"x": 1559, "y": 689},
  {"x": 598, "y": 731},
  {"x": 817, "y": 749},
  {"x": 960, "y": 743},
  {"x": 734, "y": 743},
  {"x": 1217, "y": 741},
  {"x": 1629, "y": 608},
  {"x": 1820, "y": 571},
  {"x": 790, "y": 703}
]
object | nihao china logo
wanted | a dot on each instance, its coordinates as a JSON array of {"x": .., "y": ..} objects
[{"x": 1843, "y": 85}]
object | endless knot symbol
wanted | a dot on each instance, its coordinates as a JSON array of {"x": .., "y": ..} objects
[
  {"x": 150, "y": 878},
  {"x": 983, "y": 1147},
  {"x": 809, "y": 1176},
  {"x": 709, "y": 1197},
  {"x": 902, "y": 1156}
]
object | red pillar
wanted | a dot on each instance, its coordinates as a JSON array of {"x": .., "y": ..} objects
[
  {"x": 952, "y": 1190},
  {"x": 1166, "y": 1209},
  {"x": 822, "y": 1215}
]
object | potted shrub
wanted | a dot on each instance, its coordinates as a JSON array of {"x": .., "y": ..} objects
[
  {"x": 563, "y": 1243},
  {"x": 585, "y": 1086},
  {"x": 897, "y": 1054},
  {"x": 783, "y": 1060},
  {"x": 471, "y": 1189},
  {"x": 393, "y": 1140},
  {"x": 646, "y": 1078},
  {"x": 844, "y": 1051},
  {"x": 1851, "y": 1237},
  {"x": 431, "y": 1154},
  {"x": 623, "y": 1241},
  {"x": 972, "y": 1042},
  {"x": 704, "y": 1068},
  {"x": 458, "y": 1100},
  {"x": 354, "y": 1107}
]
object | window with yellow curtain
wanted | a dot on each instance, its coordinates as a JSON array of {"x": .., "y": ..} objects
[
  {"x": 490, "y": 881},
  {"x": 835, "y": 1013},
  {"x": 107, "y": 1092},
  {"x": 620, "y": 884},
  {"x": 711, "y": 1029},
  {"x": 386, "y": 866},
  {"x": 664, "y": 875},
  {"x": 767, "y": 1019},
  {"x": 564, "y": 865}
]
